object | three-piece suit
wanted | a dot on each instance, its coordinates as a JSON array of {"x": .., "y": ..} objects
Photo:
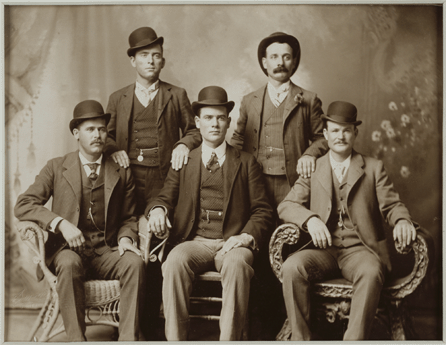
[
  {"x": 64, "y": 179},
  {"x": 244, "y": 209},
  {"x": 359, "y": 250},
  {"x": 171, "y": 112}
]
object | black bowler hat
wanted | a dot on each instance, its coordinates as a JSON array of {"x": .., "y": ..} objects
[
  {"x": 143, "y": 37},
  {"x": 212, "y": 96},
  {"x": 279, "y": 37},
  {"x": 342, "y": 112},
  {"x": 86, "y": 110}
]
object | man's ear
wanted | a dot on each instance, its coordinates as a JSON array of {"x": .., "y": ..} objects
[
  {"x": 264, "y": 62},
  {"x": 197, "y": 121},
  {"x": 163, "y": 63},
  {"x": 132, "y": 61},
  {"x": 76, "y": 133},
  {"x": 325, "y": 133}
]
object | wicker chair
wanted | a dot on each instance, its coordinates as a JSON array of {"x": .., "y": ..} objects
[
  {"x": 100, "y": 295},
  {"x": 331, "y": 298}
]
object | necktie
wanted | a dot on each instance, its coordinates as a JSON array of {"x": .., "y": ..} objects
[
  {"x": 339, "y": 171},
  {"x": 213, "y": 163},
  {"x": 93, "y": 176}
]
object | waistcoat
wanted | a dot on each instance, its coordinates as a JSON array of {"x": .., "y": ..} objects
[
  {"x": 144, "y": 132},
  {"x": 92, "y": 195},
  {"x": 271, "y": 154},
  {"x": 211, "y": 203},
  {"x": 343, "y": 236}
]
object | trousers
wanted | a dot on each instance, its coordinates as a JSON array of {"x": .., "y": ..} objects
[
  {"x": 71, "y": 271},
  {"x": 148, "y": 183},
  {"x": 356, "y": 264},
  {"x": 197, "y": 256}
]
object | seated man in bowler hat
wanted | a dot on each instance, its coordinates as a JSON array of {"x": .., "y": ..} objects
[
  {"x": 342, "y": 206},
  {"x": 92, "y": 230},
  {"x": 146, "y": 119},
  {"x": 218, "y": 213}
]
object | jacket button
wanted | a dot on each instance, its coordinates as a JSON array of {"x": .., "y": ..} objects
[
  {"x": 255, "y": 130},
  {"x": 255, "y": 149}
]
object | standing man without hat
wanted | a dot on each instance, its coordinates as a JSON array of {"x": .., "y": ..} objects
[
  {"x": 342, "y": 206},
  {"x": 146, "y": 119},
  {"x": 220, "y": 216},
  {"x": 280, "y": 124},
  {"x": 92, "y": 230}
]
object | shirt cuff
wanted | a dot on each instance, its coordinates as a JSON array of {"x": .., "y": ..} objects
[
  {"x": 252, "y": 241},
  {"x": 54, "y": 223},
  {"x": 135, "y": 243}
]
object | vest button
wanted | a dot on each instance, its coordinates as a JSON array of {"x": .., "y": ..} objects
[
  {"x": 283, "y": 168},
  {"x": 136, "y": 139},
  {"x": 255, "y": 130},
  {"x": 255, "y": 149}
]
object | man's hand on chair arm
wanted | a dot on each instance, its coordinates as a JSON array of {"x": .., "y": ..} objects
[
  {"x": 404, "y": 233},
  {"x": 158, "y": 222}
]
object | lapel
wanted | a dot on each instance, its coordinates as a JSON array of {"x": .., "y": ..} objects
[
  {"x": 355, "y": 171},
  {"x": 72, "y": 174},
  {"x": 230, "y": 168},
  {"x": 127, "y": 102},
  {"x": 324, "y": 176},
  {"x": 290, "y": 103},
  {"x": 193, "y": 174},
  {"x": 257, "y": 104},
  {"x": 164, "y": 96},
  {"x": 111, "y": 178}
]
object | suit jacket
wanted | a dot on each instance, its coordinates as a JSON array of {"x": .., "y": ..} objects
[
  {"x": 371, "y": 199},
  {"x": 301, "y": 124},
  {"x": 246, "y": 208},
  {"x": 174, "y": 113},
  {"x": 61, "y": 179}
]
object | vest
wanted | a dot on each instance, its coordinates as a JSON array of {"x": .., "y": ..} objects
[
  {"x": 92, "y": 195},
  {"x": 211, "y": 203},
  {"x": 271, "y": 153},
  {"x": 343, "y": 236},
  {"x": 144, "y": 133}
]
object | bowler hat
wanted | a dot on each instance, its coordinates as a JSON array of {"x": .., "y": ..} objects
[
  {"x": 212, "y": 96},
  {"x": 342, "y": 112},
  {"x": 86, "y": 110},
  {"x": 279, "y": 37},
  {"x": 143, "y": 37}
]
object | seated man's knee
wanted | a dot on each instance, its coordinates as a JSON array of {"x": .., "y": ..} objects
[
  {"x": 238, "y": 261},
  {"x": 132, "y": 261},
  {"x": 294, "y": 268},
  {"x": 373, "y": 272},
  {"x": 67, "y": 261}
]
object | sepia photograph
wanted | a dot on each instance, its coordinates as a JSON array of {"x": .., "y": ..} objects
[{"x": 240, "y": 171}]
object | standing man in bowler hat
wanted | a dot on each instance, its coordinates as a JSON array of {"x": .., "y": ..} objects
[
  {"x": 92, "y": 230},
  {"x": 342, "y": 206},
  {"x": 220, "y": 216},
  {"x": 280, "y": 124},
  {"x": 146, "y": 117}
]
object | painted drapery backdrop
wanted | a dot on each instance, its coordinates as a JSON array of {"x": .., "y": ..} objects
[{"x": 387, "y": 60}]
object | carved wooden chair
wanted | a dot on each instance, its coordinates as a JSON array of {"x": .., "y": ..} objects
[
  {"x": 102, "y": 296},
  {"x": 331, "y": 298}
]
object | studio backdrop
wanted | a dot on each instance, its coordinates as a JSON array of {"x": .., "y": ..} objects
[{"x": 387, "y": 60}]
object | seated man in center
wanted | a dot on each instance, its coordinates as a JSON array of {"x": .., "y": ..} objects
[{"x": 221, "y": 216}]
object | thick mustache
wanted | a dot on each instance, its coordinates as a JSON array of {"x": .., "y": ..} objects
[{"x": 280, "y": 69}]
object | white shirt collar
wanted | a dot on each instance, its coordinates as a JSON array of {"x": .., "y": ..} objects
[
  {"x": 220, "y": 151},
  {"x": 285, "y": 87},
  {"x": 151, "y": 88},
  {"x": 345, "y": 163}
]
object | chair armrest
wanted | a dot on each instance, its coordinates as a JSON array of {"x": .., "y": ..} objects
[
  {"x": 145, "y": 242},
  {"x": 34, "y": 237},
  {"x": 402, "y": 287},
  {"x": 286, "y": 233}
]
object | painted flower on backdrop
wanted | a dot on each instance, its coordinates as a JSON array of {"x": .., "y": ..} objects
[
  {"x": 299, "y": 98},
  {"x": 407, "y": 134}
]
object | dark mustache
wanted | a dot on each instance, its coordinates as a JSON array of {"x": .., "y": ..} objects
[{"x": 280, "y": 69}]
